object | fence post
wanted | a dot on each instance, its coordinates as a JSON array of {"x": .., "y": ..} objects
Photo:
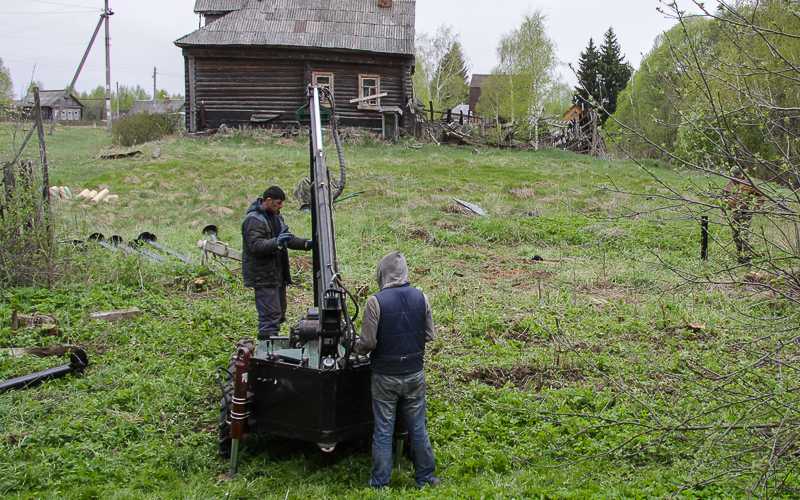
[
  {"x": 704, "y": 237},
  {"x": 43, "y": 155},
  {"x": 430, "y": 103}
]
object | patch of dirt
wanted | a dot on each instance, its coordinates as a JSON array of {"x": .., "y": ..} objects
[
  {"x": 303, "y": 263},
  {"x": 419, "y": 233},
  {"x": 518, "y": 275},
  {"x": 524, "y": 376},
  {"x": 164, "y": 185},
  {"x": 524, "y": 193},
  {"x": 608, "y": 292},
  {"x": 131, "y": 179},
  {"x": 220, "y": 210},
  {"x": 528, "y": 212}
]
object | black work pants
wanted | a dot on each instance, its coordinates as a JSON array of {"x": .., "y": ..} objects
[{"x": 271, "y": 307}]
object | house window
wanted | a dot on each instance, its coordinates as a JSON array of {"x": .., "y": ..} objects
[
  {"x": 324, "y": 80},
  {"x": 369, "y": 85}
]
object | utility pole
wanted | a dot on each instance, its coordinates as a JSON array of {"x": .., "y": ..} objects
[
  {"x": 117, "y": 97},
  {"x": 154, "y": 86},
  {"x": 75, "y": 78},
  {"x": 108, "y": 14}
]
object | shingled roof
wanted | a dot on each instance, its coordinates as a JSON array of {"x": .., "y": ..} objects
[{"x": 334, "y": 24}]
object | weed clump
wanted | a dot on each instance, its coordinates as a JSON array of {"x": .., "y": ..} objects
[{"x": 144, "y": 127}]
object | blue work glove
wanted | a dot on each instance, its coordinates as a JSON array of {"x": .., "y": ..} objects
[{"x": 285, "y": 235}]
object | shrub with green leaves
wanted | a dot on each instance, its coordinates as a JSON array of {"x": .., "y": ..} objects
[{"x": 144, "y": 127}]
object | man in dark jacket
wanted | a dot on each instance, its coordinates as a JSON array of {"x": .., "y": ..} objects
[
  {"x": 265, "y": 258},
  {"x": 396, "y": 324}
]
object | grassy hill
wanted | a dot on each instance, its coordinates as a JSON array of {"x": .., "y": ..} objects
[{"x": 565, "y": 377}]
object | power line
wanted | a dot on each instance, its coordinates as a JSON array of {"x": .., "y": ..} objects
[{"x": 55, "y": 3}]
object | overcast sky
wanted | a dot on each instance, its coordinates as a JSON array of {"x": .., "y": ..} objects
[{"x": 44, "y": 40}]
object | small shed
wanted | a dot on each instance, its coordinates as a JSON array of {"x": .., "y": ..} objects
[
  {"x": 573, "y": 114},
  {"x": 50, "y": 101},
  {"x": 157, "y": 106},
  {"x": 252, "y": 60}
]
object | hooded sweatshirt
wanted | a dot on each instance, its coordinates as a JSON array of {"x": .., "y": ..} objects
[{"x": 392, "y": 272}]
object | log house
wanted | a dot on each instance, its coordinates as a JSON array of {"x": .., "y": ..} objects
[{"x": 253, "y": 59}]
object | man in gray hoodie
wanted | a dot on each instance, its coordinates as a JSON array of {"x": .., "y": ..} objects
[{"x": 397, "y": 322}]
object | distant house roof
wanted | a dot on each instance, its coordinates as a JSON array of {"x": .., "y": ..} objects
[
  {"x": 157, "y": 107},
  {"x": 218, "y": 6},
  {"x": 334, "y": 24},
  {"x": 477, "y": 80},
  {"x": 50, "y": 99},
  {"x": 573, "y": 114},
  {"x": 461, "y": 108}
]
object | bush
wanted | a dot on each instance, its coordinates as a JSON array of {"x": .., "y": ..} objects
[{"x": 144, "y": 127}]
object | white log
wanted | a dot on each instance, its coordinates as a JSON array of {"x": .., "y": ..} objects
[
  {"x": 99, "y": 196},
  {"x": 82, "y": 195},
  {"x": 91, "y": 194},
  {"x": 62, "y": 192},
  {"x": 110, "y": 198},
  {"x": 53, "y": 192},
  {"x": 68, "y": 192}
]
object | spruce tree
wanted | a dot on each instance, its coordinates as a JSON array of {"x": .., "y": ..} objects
[
  {"x": 587, "y": 93},
  {"x": 602, "y": 75},
  {"x": 615, "y": 71}
]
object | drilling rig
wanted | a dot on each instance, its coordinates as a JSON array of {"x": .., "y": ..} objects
[{"x": 309, "y": 386}]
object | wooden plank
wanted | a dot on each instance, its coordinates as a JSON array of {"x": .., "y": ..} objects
[
  {"x": 192, "y": 114},
  {"x": 219, "y": 248},
  {"x": 367, "y": 98},
  {"x": 117, "y": 315},
  {"x": 19, "y": 352}
]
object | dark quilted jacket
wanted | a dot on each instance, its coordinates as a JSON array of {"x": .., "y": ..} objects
[{"x": 263, "y": 264}]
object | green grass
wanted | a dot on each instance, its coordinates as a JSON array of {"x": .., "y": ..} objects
[{"x": 517, "y": 340}]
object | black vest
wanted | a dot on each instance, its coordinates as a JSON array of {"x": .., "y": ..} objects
[{"x": 401, "y": 331}]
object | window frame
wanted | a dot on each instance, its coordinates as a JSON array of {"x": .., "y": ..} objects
[
  {"x": 376, "y": 104},
  {"x": 317, "y": 74}
]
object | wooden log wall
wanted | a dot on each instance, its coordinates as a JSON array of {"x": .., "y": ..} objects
[{"x": 235, "y": 83}]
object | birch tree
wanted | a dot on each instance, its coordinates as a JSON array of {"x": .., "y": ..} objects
[
  {"x": 441, "y": 68},
  {"x": 6, "y": 88},
  {"x": 526, "y": 71}
]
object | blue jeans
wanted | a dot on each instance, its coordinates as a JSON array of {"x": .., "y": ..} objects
[{"x": 409, "y": 390}]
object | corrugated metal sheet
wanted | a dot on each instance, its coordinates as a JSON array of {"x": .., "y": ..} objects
[
  {"x": 333, "y": 24},
  {"x": 159, "y": 106},
  {"x": 209, "y": 6}
]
